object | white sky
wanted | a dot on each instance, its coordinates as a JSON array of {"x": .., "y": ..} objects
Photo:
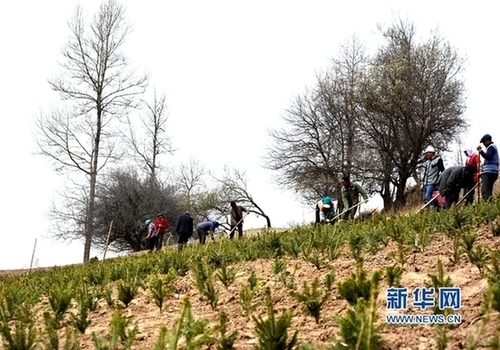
[{"x": 229, "y": 69}]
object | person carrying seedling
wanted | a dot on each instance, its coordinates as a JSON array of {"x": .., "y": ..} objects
[
  {"x": 204, "y": 228},
  {"x": 325, "y": 209},
  {"x": 350, "y": 192},
  {"x": 452, "y": 180}
]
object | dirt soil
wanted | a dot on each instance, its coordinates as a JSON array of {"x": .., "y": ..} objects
[{"x": 147, "y": 317}]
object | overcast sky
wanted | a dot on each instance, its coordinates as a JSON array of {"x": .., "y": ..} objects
[{"x": 229, "y": 70}]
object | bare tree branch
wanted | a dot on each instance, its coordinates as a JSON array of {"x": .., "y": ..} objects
[
  {"x": 153, "y": 140},
  {"x": 233, "y": 186},
  {"x": 98, "y": 86}
]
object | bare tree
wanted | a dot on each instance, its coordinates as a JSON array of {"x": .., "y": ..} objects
[
  {"x": 321, "y": 140},
  {"x": 127, "y": 199},
  {"x": 233, "y": 186},
  {"x": 413, "y": 96},
  {"x": 201, "y": 199},
  {"x": 459, "y": 156},
  {"x": 302, "y": 152},
  {"x": 338, "y": 92},
  {"x": 208, "y": 197},
  {"x": 98, "y": 86},
  {"x": 191, "y": 179},
  {"x": 153, "y": 140},
  {"x": 372, "y": 118},
  {"x": 68, "y": 216}
]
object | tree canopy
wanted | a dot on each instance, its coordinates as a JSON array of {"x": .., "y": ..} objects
[{"x": 371, "y": 117}]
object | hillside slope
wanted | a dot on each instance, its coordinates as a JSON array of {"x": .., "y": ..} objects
[{"x": 297, "y": 257}]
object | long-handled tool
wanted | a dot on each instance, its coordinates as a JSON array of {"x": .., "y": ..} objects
[
  {"x": 465, "y": 195},
  {"x": 479, "y": 189},
  {"x": 239, "y": 222},
  {"x": 345, "y": 211},
  {"x": 418, "y": 211},
  {"x": 428, "y": 203}
]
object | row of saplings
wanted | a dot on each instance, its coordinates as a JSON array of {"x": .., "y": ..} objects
[{"x": 359, "y": 327}]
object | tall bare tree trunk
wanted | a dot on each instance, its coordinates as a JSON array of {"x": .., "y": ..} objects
[{"x": 98, "y": 88}]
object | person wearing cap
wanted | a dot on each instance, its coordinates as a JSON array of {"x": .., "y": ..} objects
[
  {"x": 472, "y": 158},
  {"x": 452, "y": 180},
  {"x": 161, "y": 224},
  {"x": 204, "y": 228},
  {"x": 350, "y": 193},
  {"x": 324, "y": 209},
  {"x": 490, "y": 166},
  {"x": 434, "y": 166},
  {"x": 152, "y": 236}
]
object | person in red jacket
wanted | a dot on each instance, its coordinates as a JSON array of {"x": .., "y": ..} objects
[
  {"x": 472, "y": 158},
  {"x": 161, "y": 224}
]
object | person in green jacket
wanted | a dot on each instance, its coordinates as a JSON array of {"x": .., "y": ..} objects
[{"x": 350, "y": 192}]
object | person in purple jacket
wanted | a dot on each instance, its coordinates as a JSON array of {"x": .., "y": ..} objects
[{"x": 204, "y": 228}]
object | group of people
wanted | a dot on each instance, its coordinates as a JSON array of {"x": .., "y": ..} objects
[
  {"x": 438, "y": 183},
  {"x": 448, "y": 183},
  {"x": 185, "y": 227},
  {"x": 350, "y": 192},
  {"x": 156, "y": 231}
]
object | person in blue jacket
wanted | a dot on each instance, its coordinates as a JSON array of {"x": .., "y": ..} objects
[
  {"x": 204, "y": 228},
  {"x": 490, "y": 166}
]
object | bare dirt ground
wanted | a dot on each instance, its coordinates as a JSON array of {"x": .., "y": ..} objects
[{"x": 147, "y": 317}]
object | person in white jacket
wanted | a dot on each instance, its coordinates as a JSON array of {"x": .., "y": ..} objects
[{"x": 434, "y": 166}]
